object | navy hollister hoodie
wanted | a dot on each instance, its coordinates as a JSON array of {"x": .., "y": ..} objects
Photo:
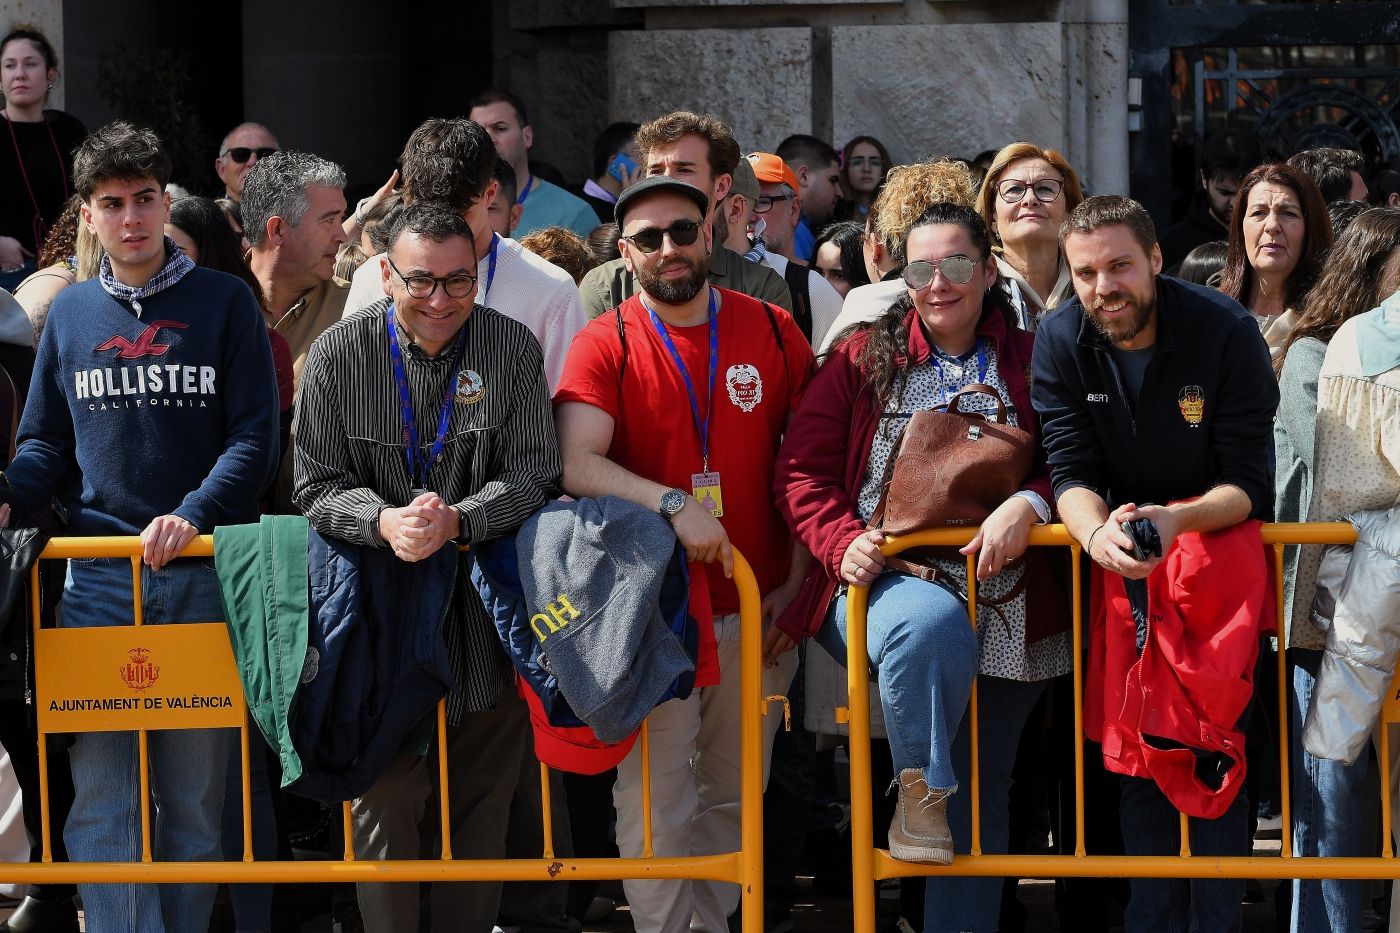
[{"x": 167, "y": 405}]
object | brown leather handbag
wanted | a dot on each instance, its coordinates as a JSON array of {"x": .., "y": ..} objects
[{"x": 952, "y": 467}]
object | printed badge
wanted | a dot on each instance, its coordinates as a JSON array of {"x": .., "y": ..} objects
[
  {"x": 470, "y": 387},
  {"x": 1192, "y": 402},
  {"x": 745, "y": 386},
  {"x": 705, "y": 488}
]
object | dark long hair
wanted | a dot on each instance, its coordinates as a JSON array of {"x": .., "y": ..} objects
[
  {"x": 885, "y": 356},
  {"x": 1237, "y": 280},
  {"x": 219, "y": 248},
  {"x": 849, "y": 236},
  {"x": 1350, "y": 283}
]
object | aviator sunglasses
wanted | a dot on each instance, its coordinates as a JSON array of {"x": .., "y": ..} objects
[
  {"x": 956, "y": 269},
  {"x": 682, "y": 233},
  {"x": 241, "y": 154}
]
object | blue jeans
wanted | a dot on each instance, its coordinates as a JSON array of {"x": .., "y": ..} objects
[
  {"x": 1328, "y": 805},
  {"x": 973, "y": 905},
  {"x": 924, "y": 651},
  {"x": 1152, "y": 826},
  {"x": 187, "y": 767}
]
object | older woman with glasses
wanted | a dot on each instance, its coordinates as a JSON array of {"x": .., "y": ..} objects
[
  {"x": 1027, "y": 194},
  {"x": 949, "y": 331}
]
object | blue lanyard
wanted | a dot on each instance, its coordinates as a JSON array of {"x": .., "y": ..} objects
[
  {"x": 981, "y": 368},
  {"x": 491, "y": 266},
  {"x": 702, "y": 429},
  {"x": 529, "y": 183},
  {"x": 410, "y": 427}
]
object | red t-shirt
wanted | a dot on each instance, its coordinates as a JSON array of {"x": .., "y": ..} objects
[{"x": 758, "y": 383}]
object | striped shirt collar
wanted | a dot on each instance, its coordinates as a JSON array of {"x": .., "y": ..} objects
[{"x": 177, "y": 266}]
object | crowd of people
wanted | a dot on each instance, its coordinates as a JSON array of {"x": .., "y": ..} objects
[{"x": 476, "y": 382}]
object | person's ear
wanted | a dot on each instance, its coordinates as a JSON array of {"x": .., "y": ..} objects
[
  {"x": 275, "y": 230},
  {"x": 804, "y": 175},
  {"x": 722, "y": 185},
  {"x": 625, "y": 249},
  {"x": 165, "y": 198},
  {"x": 493, "y": 191},
  {"x": 515, "y": 211},
  {"x": 386, "y": 275},
  {"x": 1156, "y": 259},
  {"x": 85, "y": 212},
  {"x": 528, "y": 134}
]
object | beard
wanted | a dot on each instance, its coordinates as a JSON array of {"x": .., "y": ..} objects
[
  {"x": 675, "y": 291},
  {"x": 1129, "y": 323}
]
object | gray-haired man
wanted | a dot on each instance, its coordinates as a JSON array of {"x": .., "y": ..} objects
[{"x": 293, "y": 203}]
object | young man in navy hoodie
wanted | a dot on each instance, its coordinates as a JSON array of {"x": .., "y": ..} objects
[{"x": 152, "y": 412}]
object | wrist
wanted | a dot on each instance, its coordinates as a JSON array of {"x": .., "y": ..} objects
[
  {"x": 359, "y": 214},
  {"x": 1089, "y": 545}
]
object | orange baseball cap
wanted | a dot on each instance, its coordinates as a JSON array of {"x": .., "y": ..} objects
[{"x": 771, "y": 170}]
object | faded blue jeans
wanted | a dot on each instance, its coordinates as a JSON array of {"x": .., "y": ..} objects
[
  {"x": 1328, "y": 817},
  {"x": 187, "y": 767},
  {"x": 923, "y": 649}
]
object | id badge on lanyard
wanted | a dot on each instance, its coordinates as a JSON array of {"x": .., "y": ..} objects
[{"x": 705, "y": 485}]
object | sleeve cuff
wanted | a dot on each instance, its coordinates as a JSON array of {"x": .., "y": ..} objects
[
  {"x": 369, "y": 524},
  {"x": 1042, "y": 508}
]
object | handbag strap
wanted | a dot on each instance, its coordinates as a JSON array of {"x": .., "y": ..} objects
[{"x": 977, "y": 388}]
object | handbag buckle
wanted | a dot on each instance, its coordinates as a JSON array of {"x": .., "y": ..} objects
[{"x": 974, "y": 432}]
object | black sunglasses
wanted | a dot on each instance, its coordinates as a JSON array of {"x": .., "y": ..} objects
[
  {"x": 240, "y": 154},
  {"x": 682, "y": 233}
]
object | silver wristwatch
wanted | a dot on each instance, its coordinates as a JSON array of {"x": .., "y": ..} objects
[{"x": 671, "y": 503}]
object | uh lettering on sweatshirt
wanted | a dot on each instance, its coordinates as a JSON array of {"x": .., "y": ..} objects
[{"x": 151, "y": 384}]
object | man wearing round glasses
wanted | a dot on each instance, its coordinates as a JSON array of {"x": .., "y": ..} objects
[
  {"x": 677, "y": 400},
  {"x": 423, "y": 421},
  {"x": 241, "y": 149}
]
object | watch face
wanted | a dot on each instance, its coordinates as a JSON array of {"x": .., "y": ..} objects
[{"x": 672, "y": 502}]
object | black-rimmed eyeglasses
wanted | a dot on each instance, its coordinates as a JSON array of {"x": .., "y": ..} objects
[
  {"x": 1012, "y": 190},
  {"x": 457, "y": 285}
]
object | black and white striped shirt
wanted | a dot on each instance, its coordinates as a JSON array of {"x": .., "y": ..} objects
[{"x": 500, "y": 463}]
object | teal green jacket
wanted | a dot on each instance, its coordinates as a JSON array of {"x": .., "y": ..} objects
[{"x": 263, "y": 578}]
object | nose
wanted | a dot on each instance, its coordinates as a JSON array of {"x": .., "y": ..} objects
[{"x": 1104, "y": 284}]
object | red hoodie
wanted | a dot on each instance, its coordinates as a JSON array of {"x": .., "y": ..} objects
[
  {"x": 1159, "y": 715},
  {"x": 821, "y": 466}
]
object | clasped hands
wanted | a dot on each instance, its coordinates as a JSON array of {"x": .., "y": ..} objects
[{"x": 420, "y": 528}]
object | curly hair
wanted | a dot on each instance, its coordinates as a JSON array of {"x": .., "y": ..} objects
[
  {"x": 564, "y": 248},
  {"x": 910, "y": 191},
  {"x": 885, "y": 357},
  {"x": 61, "y": 244},
  {"x": 671, "y": 128},
  {"x": 1350, "y": 283}
]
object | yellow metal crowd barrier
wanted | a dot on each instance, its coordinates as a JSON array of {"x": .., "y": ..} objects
[
  {"x": 183, "y": 676},
  {"x": 871, "y": 864}
]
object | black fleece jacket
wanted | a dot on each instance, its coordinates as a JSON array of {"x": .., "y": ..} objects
[{"x": 1204, "y": 416}]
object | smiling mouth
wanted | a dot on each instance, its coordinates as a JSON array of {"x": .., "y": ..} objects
[{"x": 1113, "y": 307}]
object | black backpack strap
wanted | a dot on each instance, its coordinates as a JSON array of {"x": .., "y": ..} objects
[
  {"x": 621, "y": 339},
  {"x": 799, "y": 288},
  {"x": 616, "y": 290},
  {"x": 773, "y": 323}
]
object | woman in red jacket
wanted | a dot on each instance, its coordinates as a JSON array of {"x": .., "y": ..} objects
[{"x": 950, "y": 330}]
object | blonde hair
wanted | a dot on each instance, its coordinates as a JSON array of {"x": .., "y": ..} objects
[
  {"x": 986, "y": 196},
  {"x": 89, "y": 253},
  {"x": 909, "y": 190}
]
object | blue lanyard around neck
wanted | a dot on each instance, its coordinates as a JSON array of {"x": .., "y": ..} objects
[
  {"x": 703, "y": 429},
  {"x": 491, "y": 266},
  {"x": 412, "y": 451},
  {"x": 525, "y": 193},
  {"x": 942, "y": 379}
]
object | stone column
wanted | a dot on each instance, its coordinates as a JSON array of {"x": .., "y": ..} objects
[
  {"x": 1096, "y": 99},
  {"x": 47, "y": 17}
]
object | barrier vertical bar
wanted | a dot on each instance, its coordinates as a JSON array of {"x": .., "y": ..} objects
[
  {"x": 751, "y": 747},
  {"x": 858, "y": 719},
  {"x": 645, "y": 739},
  {"x": 348, "y": 829},
  {"x": 45, "y": 836},
  {"x": 546, "y": 814},
  {"x": 974, "y": 740},
  {"x": 1185, "y": 834},
  {"x": 1387, "y": 845},
  {"x": 444, "y": 793},
  {"x": 246, "y": 765},
  {"x": 143, "y": 754},
  {"x": 1077, "y": 675},
  {"x": 1285, "y": 790}
]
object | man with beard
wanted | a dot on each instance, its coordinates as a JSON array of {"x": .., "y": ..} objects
[
  {"x": 677, "y": 400},
  {"x": 1157, "y": 401}
]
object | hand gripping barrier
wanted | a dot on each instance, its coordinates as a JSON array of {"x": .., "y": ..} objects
[
  {"x": 870, "y": 864},
  {"x": 183, "y": 676}
]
